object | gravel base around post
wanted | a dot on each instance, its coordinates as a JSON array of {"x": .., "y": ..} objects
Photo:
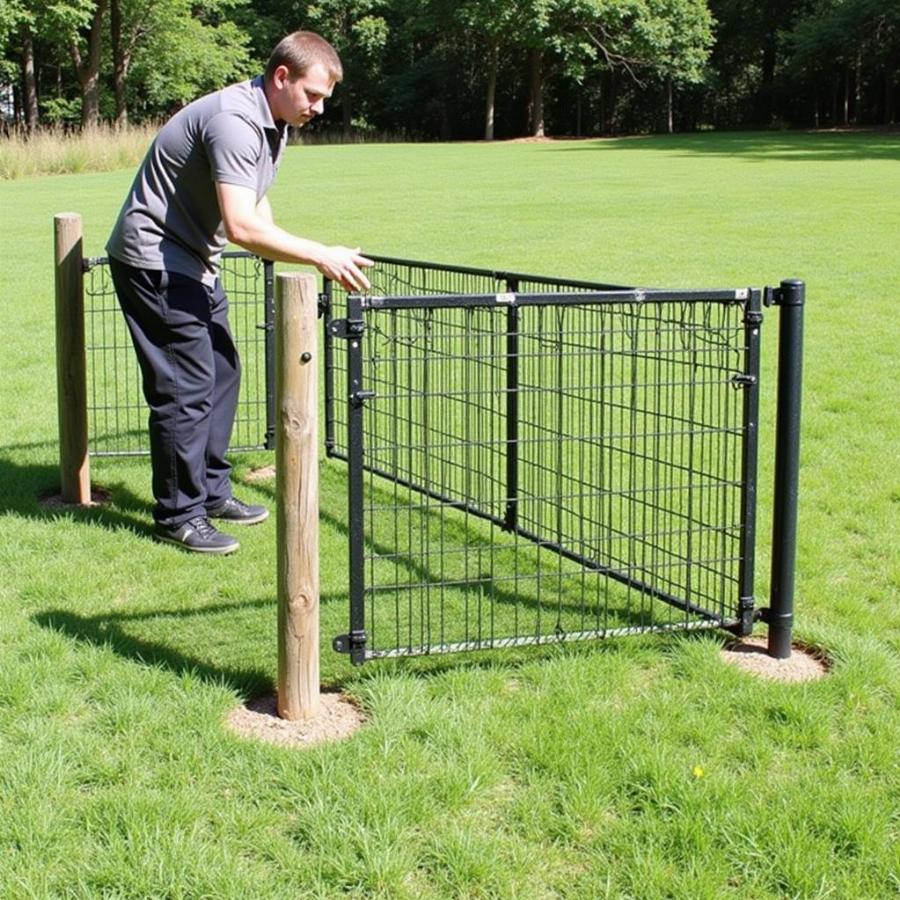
[
  {"x": 339, "y": 717},
  {"x": 750, "y": 655}
]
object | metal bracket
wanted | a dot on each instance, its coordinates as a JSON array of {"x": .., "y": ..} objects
[
  {"x": 353, "y": 643},
  {"x": 359, "y": 397},
  {"x": 742, "y": 380},
  {"x": 747, "y": 607},
  {"x": 347, "y": 328},
  {"x": 323, "y": 303},
  {"x": 753, "y": 317},
  {"x": 789, "y": 293}
]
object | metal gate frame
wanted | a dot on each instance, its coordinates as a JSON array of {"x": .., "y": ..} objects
[{"x": 351, "y": 328}]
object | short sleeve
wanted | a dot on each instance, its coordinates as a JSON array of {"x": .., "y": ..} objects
[{"x": 233, "y": 147}]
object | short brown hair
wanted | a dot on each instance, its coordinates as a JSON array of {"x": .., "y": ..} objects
[{"x": 302, "y": 49}]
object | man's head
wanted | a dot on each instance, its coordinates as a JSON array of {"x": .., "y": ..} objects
[{"x": 300, "y": 76}]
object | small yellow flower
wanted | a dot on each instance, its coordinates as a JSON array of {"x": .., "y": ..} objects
[{"x": 698, "y": 772}]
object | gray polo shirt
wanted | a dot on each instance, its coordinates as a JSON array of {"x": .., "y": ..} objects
[{"x": 170, "y": 219}]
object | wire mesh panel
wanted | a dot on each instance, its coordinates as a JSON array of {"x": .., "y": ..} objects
[
  {"x": 531, "y": 468},
  {"x": 117, "y": 413},
  {"x": 393, "y": 277}
]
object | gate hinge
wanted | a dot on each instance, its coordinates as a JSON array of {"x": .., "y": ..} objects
[
  {"x": 747, "y": 615},
  {"x": 324, "y": 303},
  {"x": 788, "y": 293},
  {"x": 743, "y": 380},
  {"x": 353, "y": 643},
  {"x": 753, "y": 317},
  {"x": 347, "y": 328}
]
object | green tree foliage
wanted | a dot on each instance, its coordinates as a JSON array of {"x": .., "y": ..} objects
[
  {"x": 846, "y": 53},
  {"x": 470, "y": 68}
]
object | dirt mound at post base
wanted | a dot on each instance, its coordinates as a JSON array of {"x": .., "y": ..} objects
[{"x": 750, "y": 655}]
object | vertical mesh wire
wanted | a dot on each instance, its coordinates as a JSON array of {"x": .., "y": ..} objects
[
  {"x": 117, "y": 413},
  {"x": 622, "y": 509}
]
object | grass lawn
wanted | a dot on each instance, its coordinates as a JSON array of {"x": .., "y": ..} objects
[{"x": 633, "y": 768}]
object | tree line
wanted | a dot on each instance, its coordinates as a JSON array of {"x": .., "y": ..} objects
[{"x": 463, "y": 69}]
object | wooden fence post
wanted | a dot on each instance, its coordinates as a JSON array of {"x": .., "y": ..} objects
[
  {"x": 297, "y": 494},
  {"x": 71, "y": 362}
]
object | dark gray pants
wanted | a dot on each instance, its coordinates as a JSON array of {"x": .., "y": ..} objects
[{"x": 191, "y": 378}]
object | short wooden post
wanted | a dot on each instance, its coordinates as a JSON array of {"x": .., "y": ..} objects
[
  {"x": 297, "y": 492},
  {"x": 71, "y": 361}
]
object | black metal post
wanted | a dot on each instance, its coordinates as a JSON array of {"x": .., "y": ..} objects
[
  {"x": 356, "y": 639},
  {"x": 780, "y": 616},
  {"x": 329, "y": 367},
  {"x": 512, "y": 413},
  {"x": 269, "y": 304}
]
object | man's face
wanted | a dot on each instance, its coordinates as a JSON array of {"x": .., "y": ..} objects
[{"x": 303, "y": 98}]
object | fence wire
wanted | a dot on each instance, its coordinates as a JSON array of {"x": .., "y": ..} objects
[{"x": 117, "y": 413}]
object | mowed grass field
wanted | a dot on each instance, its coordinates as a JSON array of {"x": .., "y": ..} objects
[{"x": 633, "y": 768}]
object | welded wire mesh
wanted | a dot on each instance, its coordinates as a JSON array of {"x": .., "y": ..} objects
[
  {"x": 117, "y": 413},
  {"x": 544, "y": 471}
]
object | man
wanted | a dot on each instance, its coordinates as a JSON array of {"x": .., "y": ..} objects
[{"x": 203, "y": 183}]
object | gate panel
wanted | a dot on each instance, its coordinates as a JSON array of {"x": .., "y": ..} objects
[{"x": 546, "y": 468}]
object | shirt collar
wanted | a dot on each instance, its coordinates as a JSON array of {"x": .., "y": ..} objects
[{"x": 259, "y": 91}]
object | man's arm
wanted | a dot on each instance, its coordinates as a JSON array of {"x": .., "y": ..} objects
[{"x": 250, "y": 225}]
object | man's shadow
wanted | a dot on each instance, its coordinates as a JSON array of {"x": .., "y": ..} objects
[
  {"x": 110, "y": 629},
  {"x": 31, "y": 489}
]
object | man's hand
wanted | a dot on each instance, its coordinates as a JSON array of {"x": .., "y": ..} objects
[
  {"x": 249, "y": 225},
  {"x": 345, "y": 265}
]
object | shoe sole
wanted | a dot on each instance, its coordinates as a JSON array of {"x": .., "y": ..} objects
[
  {"x": 252, "y": 520},
  {"x": 211, "y": 551}
]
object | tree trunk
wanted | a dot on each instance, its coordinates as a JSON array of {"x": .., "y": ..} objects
[
  {"x": 490, "y": 100},
  {"x": 536, "y": 82},
  {"x": 88, "y": 71},
  {"x": 669, "y": 104},
  {"x": 346, "y": 113},
  {"x": 764, "y": 111},
  {"x": 121, "y": 62},
  {"x": 846, "y": 111},
  {"x": 890, "y": 105},
  {"x": 29, "y": 83}
]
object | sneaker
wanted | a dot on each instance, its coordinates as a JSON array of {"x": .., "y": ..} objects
[
  {"x": 198, "y": 536},
  {"x": 238, "y": 512}
]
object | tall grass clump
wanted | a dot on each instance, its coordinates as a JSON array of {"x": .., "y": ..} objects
[{"x": 56, "y": 151}]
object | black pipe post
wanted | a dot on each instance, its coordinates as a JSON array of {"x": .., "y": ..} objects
[
  {"x": 269, "y": 349},
  {"x": 780, "y": 618}
]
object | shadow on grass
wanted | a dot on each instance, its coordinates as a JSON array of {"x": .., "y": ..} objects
[
  {"x": 28, "y": 488},
  {"x": 110, "y": 630},
  {"x": 851, "y": 146}
]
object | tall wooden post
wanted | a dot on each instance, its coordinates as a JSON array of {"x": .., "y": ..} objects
[
  {"x": 71, "y": 362},
  {"x": 297, "y": 491}
]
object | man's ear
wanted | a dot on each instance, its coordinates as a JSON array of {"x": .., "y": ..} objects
[{"x": 281, "y": 75}]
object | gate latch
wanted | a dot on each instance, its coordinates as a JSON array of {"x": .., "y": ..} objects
[{"x": 743, "y": 380}]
